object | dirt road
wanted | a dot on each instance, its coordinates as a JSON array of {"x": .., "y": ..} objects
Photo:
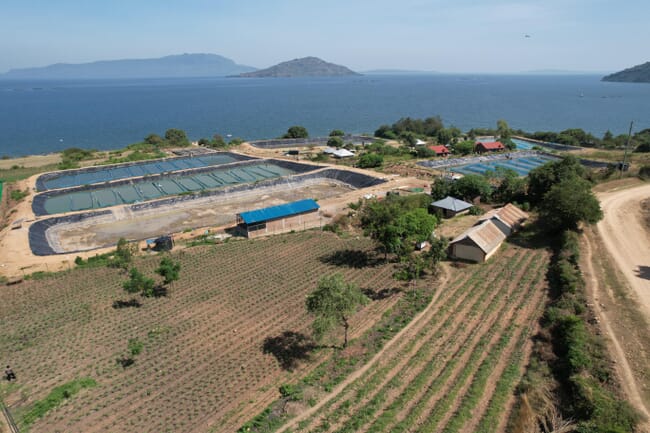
[{"x": 626, "y": 238}]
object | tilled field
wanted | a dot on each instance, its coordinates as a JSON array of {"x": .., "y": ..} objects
[
  {"x": 203, "y": 367},
  {"x": 456, "y": 368}
]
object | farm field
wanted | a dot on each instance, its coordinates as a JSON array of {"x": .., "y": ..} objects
[
  {"x": 203, "y": 367},
  {"x": 456, "y": 368}
]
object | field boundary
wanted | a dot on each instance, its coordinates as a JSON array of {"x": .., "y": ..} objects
[{"x": 13, "y": 428}]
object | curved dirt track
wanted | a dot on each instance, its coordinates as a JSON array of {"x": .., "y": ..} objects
[{"x": 626, "y": 238}]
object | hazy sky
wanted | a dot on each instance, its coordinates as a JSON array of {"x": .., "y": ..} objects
[{"x": 440, "y": 35}]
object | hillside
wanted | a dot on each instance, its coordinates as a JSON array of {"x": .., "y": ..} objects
[
  {"x": 635, "y": 74},
  {"x": 181, "y": 65},
  {"x": 305, "y": 67}
]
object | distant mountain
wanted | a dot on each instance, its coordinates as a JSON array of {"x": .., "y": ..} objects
[
  {"x": 305, "y": 67},
  {"x": 635, "y": 74},
  {"x": 561, "y": 72},
  {"x": 398, "y": 72},
  {"x": 176, "y": 66}
]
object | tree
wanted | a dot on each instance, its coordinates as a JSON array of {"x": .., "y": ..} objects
[
  {"x": 441, "y": 188},
  {"x": 137, "y": 282},
  {"x": 154, "y": 139},
  {"x": 123, "y": 254},
  {"x": 296, "y": 132},
  {"x": 169, "y": 270},
  {"x": 335, "y": 141},
  {"x": 370, "y": 160},
  {"x": 333, "y": 303},
  {"x": 337, "y": 133},
  {"x": 471, "y": 186},
  {"x": 503, "y": 130},
  {"x": 541, "y": 179},
  {"x": 176, "y": 137},
  {"x": 511, "y": 187},
  {"x": 568, "y": 203},
  {"x": 464, "y": 147}
]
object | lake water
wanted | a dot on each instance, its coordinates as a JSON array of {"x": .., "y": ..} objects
[{"x": 45, "y": 116}]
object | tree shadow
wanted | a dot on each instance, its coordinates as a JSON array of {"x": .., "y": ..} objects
[
  {"x": 643, "y": 272},
  {"x": 381, "y": 294},
  {"x": 351, "y": 258},
  {"x": 125, "y": 362},
  {"x": 131, "y": 303},
  {"x": 289, "y": 348}
]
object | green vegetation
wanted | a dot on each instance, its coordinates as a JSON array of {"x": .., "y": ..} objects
[
  {"x": 169, "y": 270},
  {"x": 333, "y": 303},
  {"x": 296, "y": 132},
  {"x": 176, "y": 137},
  {"x": 370, "y": 160},
  {"x": 408, "y": 130},
  {"x": 1, "y": 188},
  {"x": 578, "y": 376},
  {"x": 19, "y": 173},
  {"x": 336, "y": 133},
  {"x": 17, "y": 195},
  {"x": 54, "y": 399},
  {"x": 335, "y": 141},
  {"x": 137, "y": 282},
  {"x": 397, "y": 222},
  {"x": 569, "y": 203}
]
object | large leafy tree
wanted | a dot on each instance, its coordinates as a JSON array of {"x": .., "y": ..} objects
[
  {"x": 333, "y": 302},
  {"x": 541, "y": 179},
  {"x": 296, "y": 132},
  {"x": 569, "y": 203},
  {"x": 176, "y": 137},
  {"x": 471, "y": 186}
]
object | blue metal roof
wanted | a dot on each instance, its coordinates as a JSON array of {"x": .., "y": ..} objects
[{"x": 275, "y": 212}]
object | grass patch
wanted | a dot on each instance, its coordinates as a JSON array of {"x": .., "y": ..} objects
[
  {"x": 20, "y": 172},
  {"x": 63, "y": 392}
]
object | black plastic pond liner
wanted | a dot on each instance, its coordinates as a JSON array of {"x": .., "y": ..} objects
[
  {"x": 38, "y": 204},
  {"x": 316, "y": 141},
  {"x": 41, "y": 247},
  {"x": 44, "y": 178},
  {"x": 38, "y": 240}
]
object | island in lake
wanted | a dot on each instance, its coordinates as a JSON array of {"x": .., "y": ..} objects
[
  {"x": 304, "y": 67},
  {"x": 635, "y": 74}
]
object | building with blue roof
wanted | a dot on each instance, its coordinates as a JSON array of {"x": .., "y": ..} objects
[{"x": 297, "y": 215}]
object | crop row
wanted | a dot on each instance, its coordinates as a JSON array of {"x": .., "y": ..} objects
[{"x": 445, "y": 345}]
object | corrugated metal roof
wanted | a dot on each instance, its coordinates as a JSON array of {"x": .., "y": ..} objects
[
  {"x": 439, "y": 149},
  {"x": 451, "y": 203},
  {"x": 275, "y": 212},
  {"x": 491, "y": 145},
  {"x": 486, "y": 236},
  {"x": 509, "y": 214}
]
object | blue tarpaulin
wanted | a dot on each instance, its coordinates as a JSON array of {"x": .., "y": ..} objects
[{"x": 275, "y": 212}]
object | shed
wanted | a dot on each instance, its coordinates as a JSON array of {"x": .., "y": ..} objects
[
  {"x": 295, "y": 215},
  {"x": 440, "y": 150},
  {"x": 508, "y": 218},
  {"x": 489, "y": 146},
  {"x": 478, "y": 243},
  {"x": 450, "y": 206},
  {"x": 419, "y": 142},
  {"x": 338, "y": 153}
]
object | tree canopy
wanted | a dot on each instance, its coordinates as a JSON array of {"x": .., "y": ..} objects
[
  {"x": 541, "y": 179},
  {"x": 333, "y": 302},
  {"x": 176, "y": 137},
  {"x": 137, "y": 282},
  {"x": 169, "y": 270},
  {"x": 569, "y": 203},
  {"x": 296, "y": 132}
]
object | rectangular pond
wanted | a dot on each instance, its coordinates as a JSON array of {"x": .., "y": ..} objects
[
  {"x": 520, "y": 165},
  {"x": 143, "y": 189},
  {"x": 100, "y": 174}
]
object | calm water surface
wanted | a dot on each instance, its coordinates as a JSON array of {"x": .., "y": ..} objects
[{"x": 44, "y": 116}]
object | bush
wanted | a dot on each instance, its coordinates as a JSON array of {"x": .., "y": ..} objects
[
  {"x": 644, "y": 172},
  {"x": 296, "y": 132},
  {"x": 370, "y": 160}
]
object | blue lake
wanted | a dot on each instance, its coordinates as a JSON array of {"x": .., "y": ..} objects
[{"x": 44, "y": 116}]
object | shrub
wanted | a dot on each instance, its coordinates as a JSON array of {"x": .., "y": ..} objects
[{"x": 370, "y": 160}]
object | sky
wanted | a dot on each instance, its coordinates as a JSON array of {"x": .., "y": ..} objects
[{"x": 429, "y": 35}]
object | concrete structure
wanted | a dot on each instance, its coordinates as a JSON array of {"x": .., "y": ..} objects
[
  {"x": 440, "y": 150},
  {"x": 478, "y": 243},
  {"x": 508, "y": 218},
  {"x": 297, "y": 215},
  {"x": 450, "y": 206},
  {"x": 489, "y": 146}
]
